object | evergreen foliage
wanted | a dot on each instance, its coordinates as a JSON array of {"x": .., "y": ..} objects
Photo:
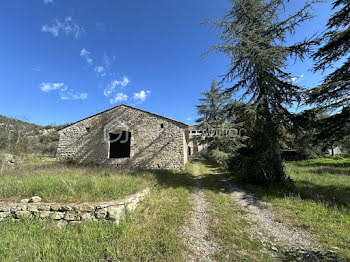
[
  {"x": 253, "y": 37},
  {"x": 334, "y": 92}
]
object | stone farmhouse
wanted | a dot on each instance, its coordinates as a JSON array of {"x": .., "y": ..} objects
[{"x": 125, "y": 136}]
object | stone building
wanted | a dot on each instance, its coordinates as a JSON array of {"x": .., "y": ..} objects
[
  {"x": 126, "y": 136},
  {"x": 196, "y": 141}
]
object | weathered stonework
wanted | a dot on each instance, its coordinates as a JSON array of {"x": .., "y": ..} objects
[
  {"x": 73, "y": 212},
  {"x": 156, "y": 141}
]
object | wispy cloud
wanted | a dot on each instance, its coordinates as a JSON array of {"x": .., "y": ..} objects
[
  {"x": 141, "y": 96},
  {"x": 48, "y": 1},
  {"x": 64, "y": 91},
  {"x": 86, "y": 55},
  {"x": 114, "y": 84},
  {"x": 36, "y": 69},
  {"x": 295, "y": 80},
  {"x": 67, "y": 27},
  {"x": 70, "y": 94},
  {"x": 100, "y": 70},
  {"x": 47, "y": 87},
  {"x": 108, "y": 61},
  {"x": 189, "y": 119},
  {"x": 120, "y": 97}
]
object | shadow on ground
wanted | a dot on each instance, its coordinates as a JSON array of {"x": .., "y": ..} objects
[{"x": 213, "y": 181}]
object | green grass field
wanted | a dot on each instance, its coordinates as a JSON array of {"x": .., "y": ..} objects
[
  {"x": 319, "y": 200},
  {"x": 59, "y": 183},
  {"x": 148, "y": 234}
]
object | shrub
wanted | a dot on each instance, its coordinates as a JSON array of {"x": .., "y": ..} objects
[{"x": 218, "y": 157}]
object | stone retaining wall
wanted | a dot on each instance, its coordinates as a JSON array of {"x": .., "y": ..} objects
[{"x": 65, "y": 213}]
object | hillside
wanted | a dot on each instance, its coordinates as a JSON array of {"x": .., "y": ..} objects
[{"x": 20, "y": 137}]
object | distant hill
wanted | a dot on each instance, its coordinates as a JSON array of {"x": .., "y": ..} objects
[{"x": 20, "y": 137}]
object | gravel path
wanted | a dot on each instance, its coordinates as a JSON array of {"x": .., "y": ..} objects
[
  {"x": 195, "y": 233},
  {"x": 297, "y": 243},
  {"x": 257, "y": 212}
]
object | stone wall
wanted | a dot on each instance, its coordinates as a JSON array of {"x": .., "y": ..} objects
[
  {"x": 65, "y": 213},
  {"x": 156, "y": 142}
]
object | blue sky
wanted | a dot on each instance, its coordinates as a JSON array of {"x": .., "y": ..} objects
[{"x": 63, "y": 60}]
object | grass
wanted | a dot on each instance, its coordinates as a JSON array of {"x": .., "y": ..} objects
[
  {"x": 59, "y": 183},
  {"x": 229, "y": 228},
  {"x": 148, "y": 234},
  {"x": 318, "y": 201}
]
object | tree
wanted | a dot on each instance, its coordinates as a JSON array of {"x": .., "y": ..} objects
[
  {"x": 218, "y": 121},
  {"x": 334, "y": 92},
  {"x": 211, "y": 106},
  {"x": 253, "y": 37}
]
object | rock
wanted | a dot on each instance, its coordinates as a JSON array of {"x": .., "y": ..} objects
[
  {"x": 32, "y": 208},
  {"x": 57, "y": 215},
  {"x": 35, "y": 199},
  {"x": 44, "y": 207},
  {"x": 115, "y": 213},
  {"x": 55, "y": 207},
  {"x": 66, "y": 208},
  {"x": 4, "y": 215},
  {"x": 86, "y": 208},
  {"x": 86, "y": 217},
  {"x": 4, "y": 209},
  {"x": 101, "y": 213},
  {"x": 44, "y": 214},
  {"x": 22, "y": 214},
  {"x": 274, "y": 249},
  {"x": 132, "y": 205},
  {"x": 21, "y": 208},
  {"x": 70, "y": 216},
  {"x": 26, "y": 200}
]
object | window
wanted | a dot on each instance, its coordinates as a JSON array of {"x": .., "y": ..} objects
[
  {"x": 88, "y": 129},
  {"x": 161, "y": 125},
  {"x": 119, "y": 144}
]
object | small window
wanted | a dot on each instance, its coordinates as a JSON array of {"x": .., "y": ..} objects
[
  {"x": 161, "y": 125},
  {"x": 193, "y": 131},
  {"x": 119, "y": 144},
  {"x": 88, "y": 129}
]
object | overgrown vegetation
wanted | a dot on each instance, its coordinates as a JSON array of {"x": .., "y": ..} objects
[
  {"x": 149, "y": 234},
  {"x": 317, "y": 201},
  {"x": 59, "y": 183}
]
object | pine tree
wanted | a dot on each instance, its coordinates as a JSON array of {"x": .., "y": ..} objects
[
  {"x": 211, "y": 106},
  {"x": 334, "y": 92},
  {"x": 253, "y": 37},
  {"x": 215, "y": 118}
]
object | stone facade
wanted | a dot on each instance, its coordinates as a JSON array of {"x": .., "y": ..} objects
[
  {"x": 65, "y": 213},
  {"x": 156, "y": 141}
]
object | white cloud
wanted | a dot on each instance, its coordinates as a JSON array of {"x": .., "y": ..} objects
[
  {"x": 48, "y": 1},
  {"x": 108, "y": 60},
  {"x": 100, "y": 70},
  {"x": 86, "y": 55},
  {"x": 189, "y": 119},
  {"x": 67, "y": 26},
  {"x": 70, "y": 94},
  {"x": 295, "y": 80},
  {"x": 64, "y": 92},
  {"x": 114, "y": 84},
  {"x": 47, "y": 87},
  {"x": 141, "y": 96},
  {"x": 120, "y": 97}
]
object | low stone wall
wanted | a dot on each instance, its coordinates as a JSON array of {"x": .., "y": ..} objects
[{"x": 65, "y": 213}]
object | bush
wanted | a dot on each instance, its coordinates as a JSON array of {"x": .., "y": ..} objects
[{"x": 218, "y": 157}]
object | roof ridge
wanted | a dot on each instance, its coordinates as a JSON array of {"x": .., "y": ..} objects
[{"x": 135, "y": 108}]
